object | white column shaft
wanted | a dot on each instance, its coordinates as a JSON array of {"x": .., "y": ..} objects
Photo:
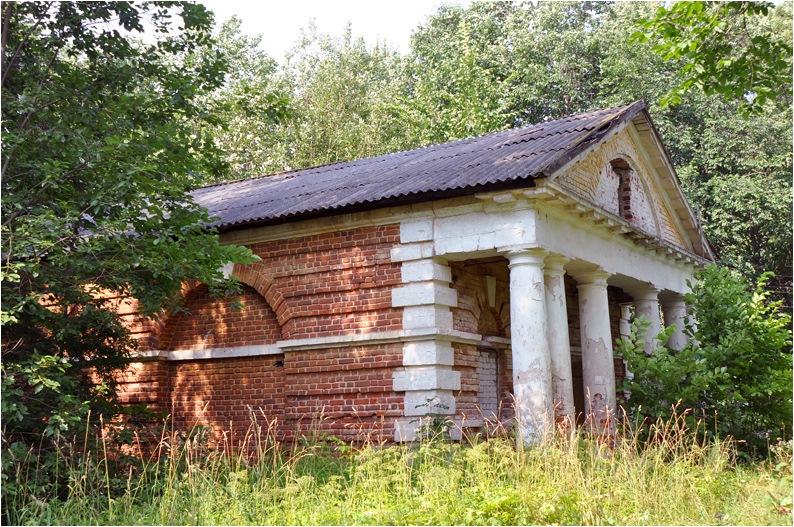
[
  {"x": 646, "y": 304},
  {"x": 532, "y": 386},
  {"x": 598, "y": 368},
  {"x": 559, "y": 341}
]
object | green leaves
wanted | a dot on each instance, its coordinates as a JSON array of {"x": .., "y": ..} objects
[
  {"x": 737, "y": 370},
  {"x": 721, "y": 52},
  {"x": 103, "y": 138}
]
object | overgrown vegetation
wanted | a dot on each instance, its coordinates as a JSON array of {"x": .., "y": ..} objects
[
  {"x": 736, "y": 370},
  {"x": 672, "y": 477},
  {"x": 104, "y": 135}
]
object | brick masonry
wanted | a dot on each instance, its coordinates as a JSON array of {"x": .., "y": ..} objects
[
  {"x": 595, "y": 179},
  {"x": 313, "y": 287}
]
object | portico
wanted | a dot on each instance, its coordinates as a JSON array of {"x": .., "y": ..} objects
[{"x": 558, "y": 234}]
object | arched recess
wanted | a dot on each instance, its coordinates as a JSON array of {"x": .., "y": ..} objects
[
  {"x": 252, "y": 276},
  {"x": 635, "y": 202},
  {"x": 210, "y": 322}
]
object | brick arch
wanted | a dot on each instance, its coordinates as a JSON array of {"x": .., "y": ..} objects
[
  {"x": 214, "y": 322},
  {"x": 257, "y": 277},
  {"x": 489, "y": 322},
  {"x": 252, "y": 275},
  {"x": 158, "y": 324}
]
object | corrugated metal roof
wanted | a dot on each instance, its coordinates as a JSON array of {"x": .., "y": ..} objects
[{"x": 448, "y": 169}]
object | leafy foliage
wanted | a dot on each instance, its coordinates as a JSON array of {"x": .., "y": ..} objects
[
  {"x": 721, "y": 51},
  {"x": 249, "y": 107},
  {"x": 737, "y": 369},
  {"x": 342, "y": 92},
  {"x": 103, "y": 137}
]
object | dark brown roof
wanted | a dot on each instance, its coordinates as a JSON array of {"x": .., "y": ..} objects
[{"x": 506, "y": 159}]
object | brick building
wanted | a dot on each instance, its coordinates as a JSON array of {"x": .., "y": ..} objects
[{"x": 453, "y": 279}]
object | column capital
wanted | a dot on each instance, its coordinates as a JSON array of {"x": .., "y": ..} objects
[
  {"x": 591, "y": 277},
  {"x": 534, "y": 256},
  {"x": 555, "y": 263},
  {"x": 672, "y": 299},
  {"x": 644, "y": 292}
]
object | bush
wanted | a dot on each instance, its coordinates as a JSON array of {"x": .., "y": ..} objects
[{"x": 737, "y": 369}]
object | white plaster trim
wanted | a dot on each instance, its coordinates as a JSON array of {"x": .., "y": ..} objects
[
  {"x": 611, "y": 222},
  {"x": 212, "y": 353},
  {"x": 150, "y": 354},
  {"x": 424, "y": 294},
  {"x": 341, "y": 341},
  {"x": 381, "y": 337}
]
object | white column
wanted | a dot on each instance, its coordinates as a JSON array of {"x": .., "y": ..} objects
[
  {"x": 598, "y": 368},
  {"x": 559, "y": 340},
  {"x": 674, "y": 310},
  {"x": 646, "y": 304},
  {"x": 532, "y": 386}
]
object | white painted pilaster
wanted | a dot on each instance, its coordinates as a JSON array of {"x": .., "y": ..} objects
[
  {"x": 427, "y": 377},
  {"x": 532, "y": 386},
  {"x": 598, "y": 369},
  {"x": 559, "y": 340}
]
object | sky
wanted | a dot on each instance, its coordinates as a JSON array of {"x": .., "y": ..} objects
[{"x": 280, "y": 22}]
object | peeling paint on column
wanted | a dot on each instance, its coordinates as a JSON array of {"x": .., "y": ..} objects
[
  {"x": 559, "y": 342},
  {"x": 532, "y": 377},
  {"x": 598, "y": 372}
]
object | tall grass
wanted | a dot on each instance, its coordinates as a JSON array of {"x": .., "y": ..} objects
[{"x": 668, "y": 478}]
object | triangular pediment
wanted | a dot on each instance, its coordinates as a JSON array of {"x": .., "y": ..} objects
[{"x": 629, "y": 174}]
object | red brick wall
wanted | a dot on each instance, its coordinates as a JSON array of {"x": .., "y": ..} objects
[
  {"x": 333, "y": 284},
  {"x": 146, "y": 383},
  {"x": 228, "y": 394},
  {"x": 468, "y": 403},
  {"x": 315, "y": 286},
  {"x": 345, "y": 392}
]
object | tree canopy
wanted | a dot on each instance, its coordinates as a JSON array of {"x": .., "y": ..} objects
[
  {"x": 722, "y": 50},
  {"x": 494, "y": 65},
  {"x": 103, "y": 138}
]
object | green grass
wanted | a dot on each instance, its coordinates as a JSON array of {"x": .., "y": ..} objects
[{"x": 669, "y": 479}]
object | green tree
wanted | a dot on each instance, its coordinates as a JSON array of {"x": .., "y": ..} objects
[
  {"x": 342, "y": 93},
  {"x": 103, "y": 138},
  {"x": 737, "y": 370},
  {"x": 251, "y": 105},
  {"x": 453, "y": 81},
  {"x": 722, "y": 51}
]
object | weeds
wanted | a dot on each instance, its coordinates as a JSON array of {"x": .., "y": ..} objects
[{"x": 668, "y": 475}]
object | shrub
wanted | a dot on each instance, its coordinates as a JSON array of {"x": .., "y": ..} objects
[{"x": 737, "y": 369}]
